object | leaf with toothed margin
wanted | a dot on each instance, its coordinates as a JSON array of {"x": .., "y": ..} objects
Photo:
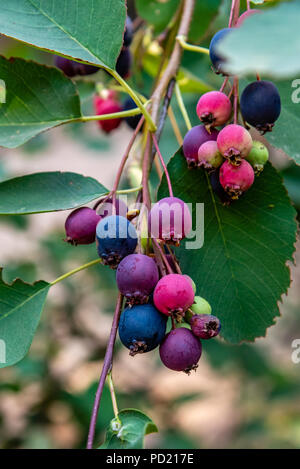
[
  {"x": 242, "y": 267},
  {"x": 88, "y": 30},
  {"x": 21, "y": 305}
]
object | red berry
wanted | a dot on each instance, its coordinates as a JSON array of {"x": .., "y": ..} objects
[
  {"x": 180, "y": 350},
  {"x": 173, "y": 295},
  {"x": 209, "y": 156},
  {"x": 81, "y": 226},
  {"x": 170, "y": 220},
  {"x": 234, "y": 143},
  {"x": 193, "y": 140},
  {"x": 214, "y": 108},
  {"x": 236, "y": 180},
  {"x": 107, "y": 106}
]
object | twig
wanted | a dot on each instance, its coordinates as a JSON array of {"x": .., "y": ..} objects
[
  {"x": 105, "y": 370},
  {"x": 175, "y": 126},
  {"x": 163, "y": 165}
]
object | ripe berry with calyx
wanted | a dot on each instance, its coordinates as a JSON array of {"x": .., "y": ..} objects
[
  {"x": 81, "y": 226},
  {"x": 107, "y": 106},
  {"x": 216, "y": 59},
  {"x": 124, "y": 62},
  {"x": 142, "y": 328},
  {"x": 214, "y": 108},
  {"x": 170, "y": 220},
  {"x": 258, "y": 156},
  {"x": 205, "y": 326},
  {"x": 173, "y": 295},
  {"x": 180, "y": 350},
  {"x": 137, "y": 276},
  {"x": 116, "y": 238},
  {"x": 209, "y": 156},
  {"x": 193, "y": 140},
  {"x": 261, "y": 105},
  {"x": 200, "y": 306},
  {"x": 72, "y": 68},
  {"x": 234, "y": 143},
  {"x": 236, "y": 179}
]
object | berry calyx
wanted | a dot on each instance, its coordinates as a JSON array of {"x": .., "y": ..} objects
[
  {"x": 142, "y": 328},
  {"x": 209, "y": 156},
  {"x": 81, "y": 226},
  {"x": 234, "y": 143},
  {"x": 261, "y": 105},
  {"x": 205, "y": 326},
  {"x": 200, "y": 306},
  {"x": 214, "y": 108},
  {"x": 137, "y": 275},
  {"x": 193, "y": 140},
  {"x": 107, "y": 106},
  {"x": 173, "y": 295},
  {"x": 116, "y": 238},
  {"x": 180, "y": 350},
  {"x": 216, "y": 59},
  {"x": 246, "y": 15},
  {"x": 72, "y": 68},
  {"x": 258, "y": 156},
  {"x": 236, "y": 179},
  {"x": 170, "y": 220}
]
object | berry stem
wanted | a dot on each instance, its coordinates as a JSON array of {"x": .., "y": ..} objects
[
  {"x": 234, "y": 13},
  {"x": 186, "y": 46},
  {"x": 136, "y": 99},
  {"x": 235, "y": 99},
  {"x": 248, "y": 4},
  {"x": 74, "y": 271},
  {"x": 105, "y": 117},
  {"x": 113, "y": 394},
  {"x": 182, "y": 107},
  {"x": 163, "y": 256},
  {"x": 107, "y": 365},
  {"x": 163, "y": 165},
  {"x": 224, "y": 84}
]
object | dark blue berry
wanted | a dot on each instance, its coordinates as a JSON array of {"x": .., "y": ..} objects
[
  {"x": 131, "y": 121},
  {"x": 217, "y": 188},
  {"x": 261, "y": 105},
  {"x": 116, "y": 238},
  {"x": 142, "y": 328},
  {"x": 123, "y": 65},
  {"x": 216, "y": 59},
  {"x": 72, "y": 68},
  {"x": 128, "y": 35}
]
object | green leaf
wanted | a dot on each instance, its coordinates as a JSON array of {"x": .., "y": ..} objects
[
  {"x": 37, "y": 98},
  {"x": 241, "y": 268},
  {"x": 157, "y": 13},
  {"x": 21, "y": 305},
  {"x": 88, "y": 30},
  {"x": 47, "y": 192},
  {"x": 268, "y": 43},
  {"x": 128, "y": 431},
  {"x": 204, "y": 13}
]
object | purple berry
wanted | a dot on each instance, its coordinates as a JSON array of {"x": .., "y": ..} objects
[
  {"x": 173, "y": 295},
  {"x": 170, "y": 220},
  {"x": 180, "y": 350},
  {"x": 124, "y": 62},
  {"x": 193, "y": 141},
  {"x": 137, "y": 276},
  {"x": 205, "y": 326},
  {"x": 72, "y": 68},
  {"x": 81, "y": 226}
]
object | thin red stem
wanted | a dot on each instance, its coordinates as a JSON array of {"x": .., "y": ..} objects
[
  {"x": 163, "y": 165},
  {"x": 235, "y": 99},
  {"x": 248, "y": 5},
  {"x": 163, "y": 256},
  {"x": 234, "y": 13},
  {"x": 107, "y": 365},
  {"x": 224, "y": 84}
]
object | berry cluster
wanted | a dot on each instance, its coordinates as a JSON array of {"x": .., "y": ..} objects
[{"x": 153, "y": 286}]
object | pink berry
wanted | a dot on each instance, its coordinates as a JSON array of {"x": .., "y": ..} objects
[
  {"x": 193, "y": 140},
  {"x": 236, "y": 180},
  {"x": 214, "y": 108},
  {"x": 81, "y": 226},
  {"x": 180, "y": 350},
  {"x": 209, "y": 156},
  {"x": 107, "y": 106},
  {"x": 245, "y": 15},
  {"x": 170, "y": 220},
  {"x": 173, "y": 295},
  {"x": 234, "y": 143}
]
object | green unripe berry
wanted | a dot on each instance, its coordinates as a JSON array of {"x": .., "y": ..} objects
[
  {"x": 201, "y": 306},
  {"x": 258, "y": 156}
]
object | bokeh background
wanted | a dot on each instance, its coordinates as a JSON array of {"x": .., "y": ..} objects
[{"x": 243, "y": 396}]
